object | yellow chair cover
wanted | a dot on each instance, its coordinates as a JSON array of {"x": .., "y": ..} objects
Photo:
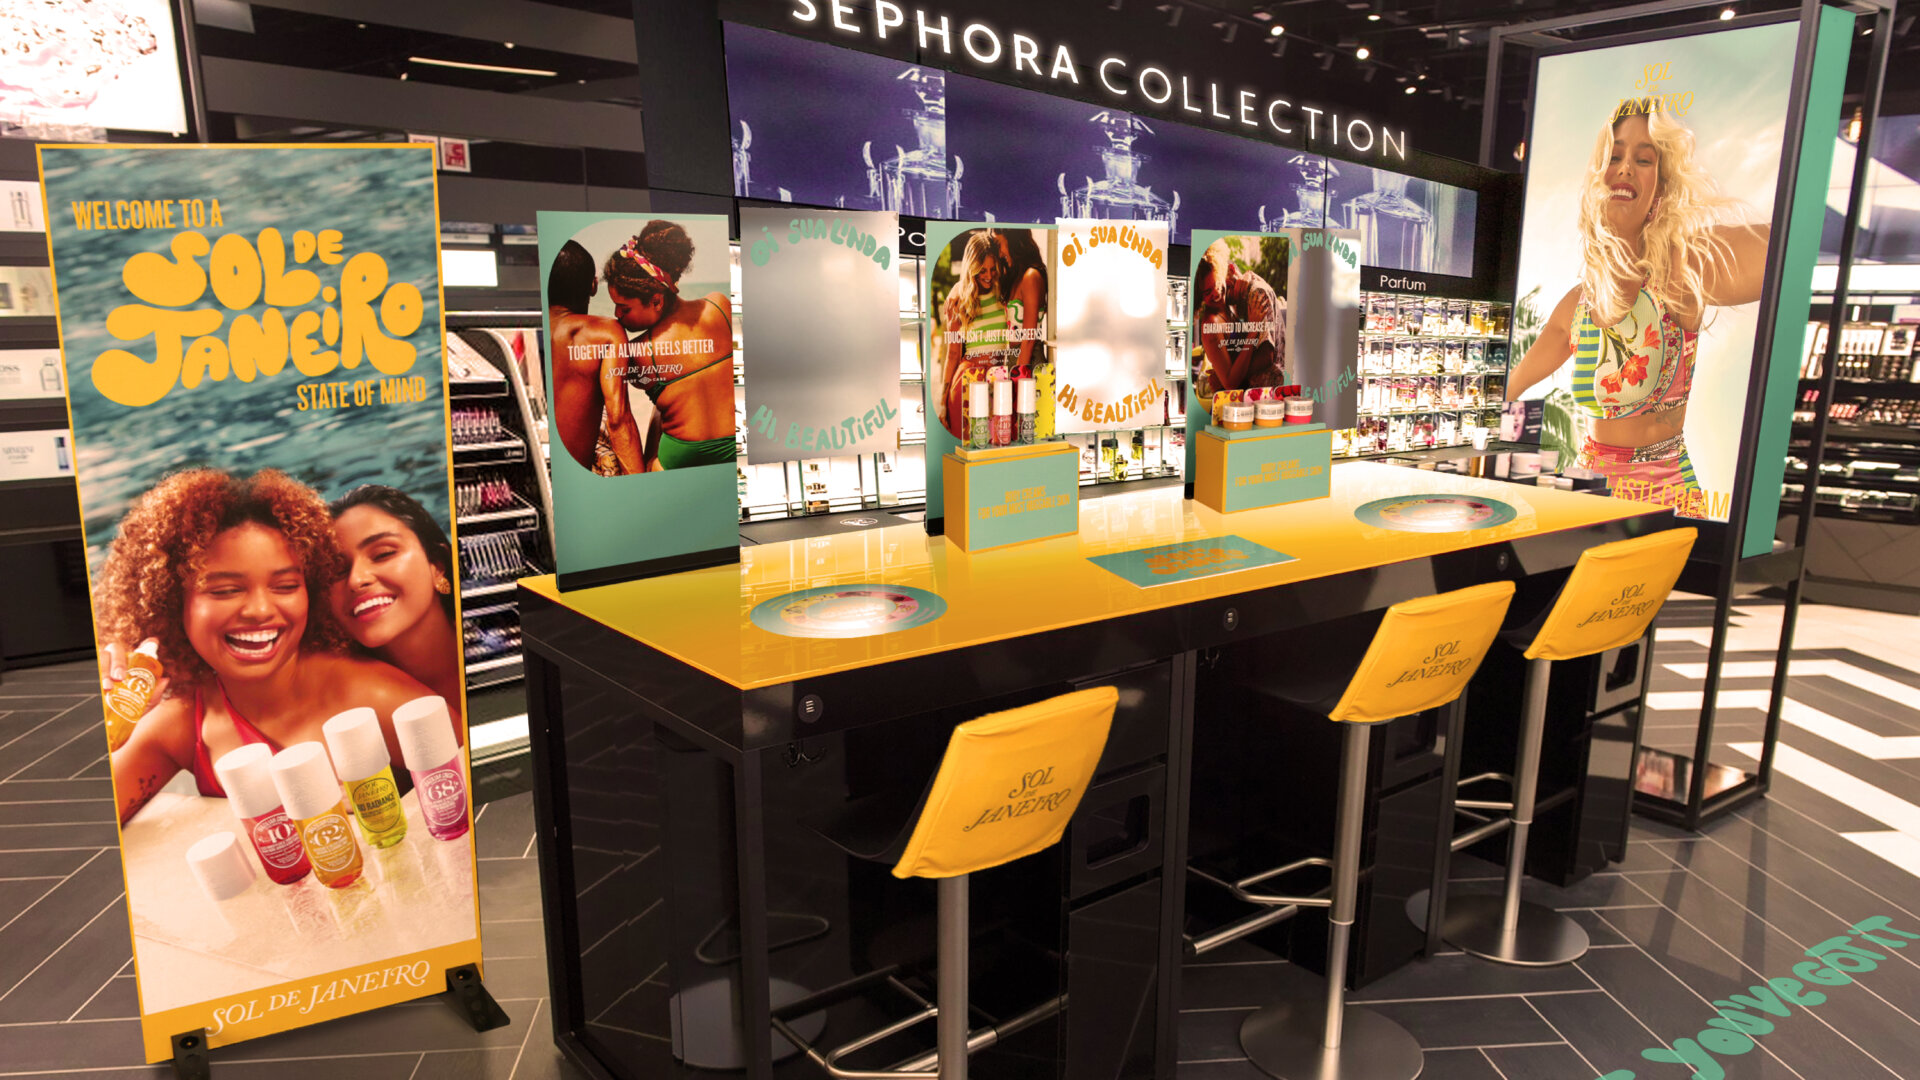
[
  {"x": 1008, "y": 784},
  {"x": 1613, "y": 595},
  {"x": 1424, "y": 653}
]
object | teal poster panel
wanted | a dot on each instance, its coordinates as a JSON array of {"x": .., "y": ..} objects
[
  {"x": 640, "y": 375},
  {"x": 1170, "y": 563}
]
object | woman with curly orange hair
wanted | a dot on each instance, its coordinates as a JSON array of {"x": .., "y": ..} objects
[{"x": 230, "y": 577}]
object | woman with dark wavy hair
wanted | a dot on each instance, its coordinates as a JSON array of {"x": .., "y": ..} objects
[
  {"x": 222, "y": 573},
  {"x": 395, "y": 599}
]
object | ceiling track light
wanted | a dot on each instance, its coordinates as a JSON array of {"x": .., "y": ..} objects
[
  {"x": 1228, "y": 28},
  {"x": 1326, "y": 61},
  {"x": 1172, "y": 12},
  {"x": 1726, "y": 14},
  {"x": 1261, "y": 14},
  {"x": 1276, "y": 30},
  {"x": 480, "y": 67},
  {"x": 1413, "y": 89},
  {"x": 1279, "y": 47},
  {"x": 1362, "y": 53}
]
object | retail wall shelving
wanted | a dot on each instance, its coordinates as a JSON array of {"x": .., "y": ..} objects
[
  {"x": 1431, "y": 371},
  {"x": 1866, "y": 541},
  {"x": 502, "y": 502}
]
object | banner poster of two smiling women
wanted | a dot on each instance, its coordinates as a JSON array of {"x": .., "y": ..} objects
[{"x": 252, "y": 347}]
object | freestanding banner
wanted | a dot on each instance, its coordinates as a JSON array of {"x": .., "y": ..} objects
[
  {"x": 1272, "y": 310},
  {"x": 1664, "y": 155},
  {"x": 252, "y": 345},
  {"x": 820, "y": 300},
  {"x": 639, "y": 325}
]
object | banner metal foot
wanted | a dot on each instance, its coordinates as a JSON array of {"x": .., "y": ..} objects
[
  {"x": 467, "y": 993},
  {"x": 190, "y": 1056}
]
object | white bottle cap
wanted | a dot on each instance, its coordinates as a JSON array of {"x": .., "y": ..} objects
[
  {"x": 425, "y": 730},
  {"x": 358, "y": 747},
  {"x": 307, "y": 785},
  {"x": 148, "y": 648},
  {"x": 247, "y": 776},
  {"x": 977, "y": 399},
  {"x": 222, "y": 868},
  {"x": 1003, "y": 398},
  {"x": 1029, "y": 395}
]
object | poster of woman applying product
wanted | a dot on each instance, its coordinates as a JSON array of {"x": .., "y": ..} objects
[
  {"x": 640, "y": 328},
  {"x": 1650, "y": 188},
  {"x": 260, "y": 440}
]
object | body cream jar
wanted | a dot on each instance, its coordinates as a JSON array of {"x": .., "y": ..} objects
[
  {"x": 1269, "y": 413},
  {"x": 1300, "y": 410},
  {"x": 1237, "y": 416}
]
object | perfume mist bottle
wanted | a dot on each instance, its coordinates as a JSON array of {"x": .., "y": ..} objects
[
  {"x": 312, "y": 798},
  {"x": 1119, "y": 195},
  {"x": 247, "y": 778},
  {"x": 359, "y": 752},
  {"x": 1397, "y": 232},
  {"x": 918, "y": 181},
  {"x": 424, "y": 728},
  {"x": 50, "y": 376},
  {"x": 743, "y": 162},
  {"x": 1309, "y": 210}
]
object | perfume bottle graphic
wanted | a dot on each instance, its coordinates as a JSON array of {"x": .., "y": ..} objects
[
  {"x": 918, "y": 181},
  {"x": 1396, "y": 231},
  {"x": 743, "y": 162},
  {"x": 1119, "y": 195},
  {"x": 1309, "y": 210},
  {"x": 50, "y": 376}
]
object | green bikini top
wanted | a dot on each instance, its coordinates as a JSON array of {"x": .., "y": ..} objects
[{"x": 654, "y": 388}]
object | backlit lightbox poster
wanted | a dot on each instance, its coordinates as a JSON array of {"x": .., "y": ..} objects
[
  {"x": 1651, "y": 177},
  {"x": 820, "y": 307},
  {"x": 252, "y": 344},
  {"x": 1110, "y": 324},
  {"x": 640, "y": 332}
]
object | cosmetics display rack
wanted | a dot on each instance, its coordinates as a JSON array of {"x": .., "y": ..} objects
[
  {"x": 1866, "y": 538},
  {"x": 839, "y": 484},
  {"x": 502, "y": 501},
  {"x": 1431, "y": 371}
]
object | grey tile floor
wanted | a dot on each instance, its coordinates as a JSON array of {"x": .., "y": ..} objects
[{"x": 1682, "y": 922}]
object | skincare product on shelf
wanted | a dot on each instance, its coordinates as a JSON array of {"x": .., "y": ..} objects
[
  {"x": 1269, "y": 413},
  {"x": 127, "y": 700},
  {"x": 1300, "y": 410},
  {"x": 1237, "y": 416},
  {"x": 311, "y": 794},
  {"x": 1026, "y": 406},
  {"x": 425, "y": 730},
  {"x": 246, "y": 774},
  {"x": 359, "y": 751}
]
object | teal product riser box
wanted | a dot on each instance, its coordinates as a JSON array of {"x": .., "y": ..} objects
[
  {"x": 1029, "y": 494},
  {"x": 1248, "y": 473}
]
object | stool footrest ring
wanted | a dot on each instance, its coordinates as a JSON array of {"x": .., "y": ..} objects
[
  {"x": 1240, "y": 889},
  {"x": 924, "y": 1065}
]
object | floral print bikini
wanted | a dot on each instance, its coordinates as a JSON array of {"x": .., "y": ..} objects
[{"x": 1640, "y": 366}]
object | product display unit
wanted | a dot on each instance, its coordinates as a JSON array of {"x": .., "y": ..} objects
[
  {"x": 502, "y": 500},
  {"x": 1432, "y": 372}
]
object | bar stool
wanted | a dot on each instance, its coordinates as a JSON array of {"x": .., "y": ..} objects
[
  {"x": 1609, "y": 601},
  {"x": 1420, "y": 658},
  {"x": 1007, "y": 787}
]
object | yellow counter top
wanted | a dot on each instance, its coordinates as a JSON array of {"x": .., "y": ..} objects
[{"x": 700, "y": 617}]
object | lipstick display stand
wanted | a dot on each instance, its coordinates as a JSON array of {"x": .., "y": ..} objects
[
  {"x": 1246, "y": 470},
  {"x": 1011, "y": 494}
]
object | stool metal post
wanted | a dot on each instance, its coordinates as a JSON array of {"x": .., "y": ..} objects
[
  {"x": 1346, "y": 878},
  {"x": 950, "y": 1027},
  {"x": 1526, "y": 788},
  {"x": 1502, "y": 928},
  {"x": 1343, "y": 1044}
]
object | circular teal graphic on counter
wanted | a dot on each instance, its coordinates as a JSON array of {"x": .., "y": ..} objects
[
  {"x": 1436, "y": 513},
  {"x": 848, "y": 611}
]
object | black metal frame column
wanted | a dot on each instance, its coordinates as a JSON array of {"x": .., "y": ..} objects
[{"x": 1721, "y": 570}]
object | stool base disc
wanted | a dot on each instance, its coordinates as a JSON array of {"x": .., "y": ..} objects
[
  {"x": 705, "y": 1036},
  {"x": 1284, "y": 1041},
  {"x": 1543, "y": 938}
]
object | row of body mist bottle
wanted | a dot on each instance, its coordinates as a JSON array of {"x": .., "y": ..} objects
[{"x": 300, "y": 807}]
